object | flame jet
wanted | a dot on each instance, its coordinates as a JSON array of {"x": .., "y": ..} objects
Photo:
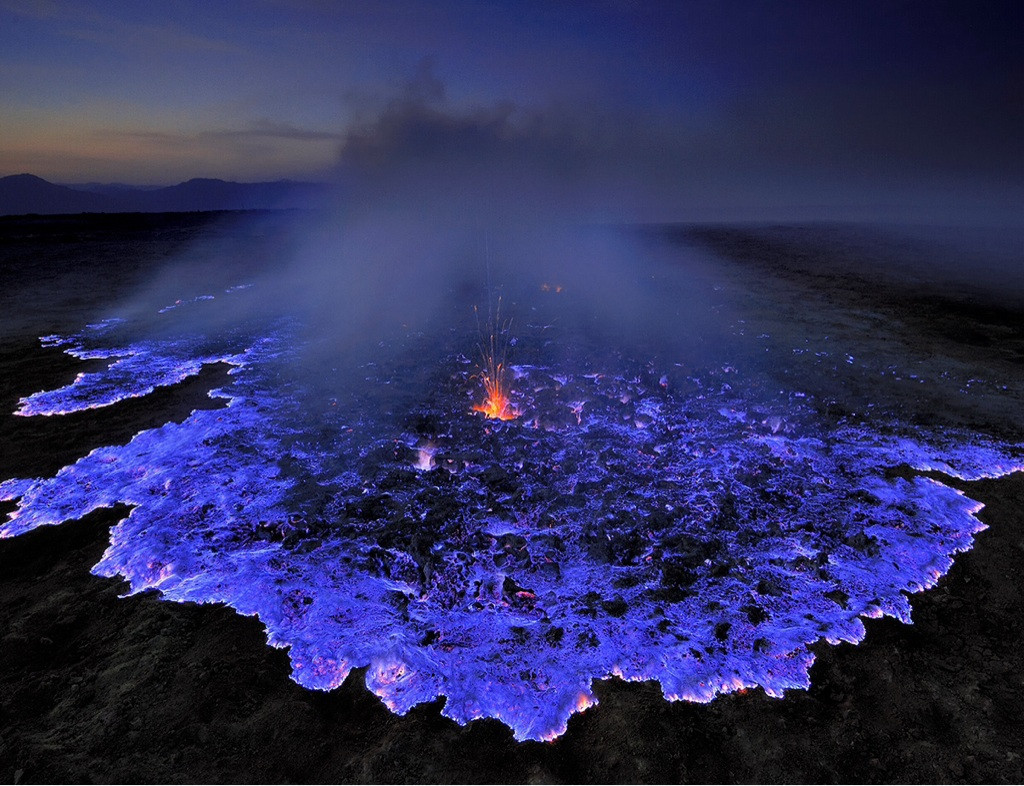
[{"x": 494, "y": 353}]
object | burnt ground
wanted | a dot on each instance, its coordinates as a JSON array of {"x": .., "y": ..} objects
[{"x": 96, "y": 688}]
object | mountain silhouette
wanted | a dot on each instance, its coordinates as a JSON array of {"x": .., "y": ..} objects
[
  {"x": 22, "y": 194},
  {"x": 31, "y": 194}
]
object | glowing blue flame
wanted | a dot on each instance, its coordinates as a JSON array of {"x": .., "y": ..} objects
[{"x": 618, "y": 528}]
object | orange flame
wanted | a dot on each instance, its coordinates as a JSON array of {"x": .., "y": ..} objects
[{"x": 497, "y": 405}]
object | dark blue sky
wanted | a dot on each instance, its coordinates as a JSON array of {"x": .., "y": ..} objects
[{"x": 685, "y": 106}]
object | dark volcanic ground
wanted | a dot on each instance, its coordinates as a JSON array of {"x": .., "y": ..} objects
[{"x": 98, "y": 688}]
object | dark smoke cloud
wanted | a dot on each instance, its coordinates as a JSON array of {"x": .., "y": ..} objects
[
  {"x": 508, "y": 160},
  {"x": 882, "y": 145}
]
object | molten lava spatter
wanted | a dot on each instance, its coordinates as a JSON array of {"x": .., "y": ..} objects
[
  {"x": 493, "y": 353},
  {"x": 497, "y": 404}
]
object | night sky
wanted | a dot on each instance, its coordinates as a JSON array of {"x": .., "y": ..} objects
[{"x": 666, "y": 111}]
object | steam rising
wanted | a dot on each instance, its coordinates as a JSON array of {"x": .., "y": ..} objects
[{"x": 435, "y": 207}]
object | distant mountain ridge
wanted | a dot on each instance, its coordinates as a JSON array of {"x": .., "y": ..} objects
[{"x": 25, "y": 193}]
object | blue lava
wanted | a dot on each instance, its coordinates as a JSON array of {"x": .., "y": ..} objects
[{"x": 689, "y": 530}]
